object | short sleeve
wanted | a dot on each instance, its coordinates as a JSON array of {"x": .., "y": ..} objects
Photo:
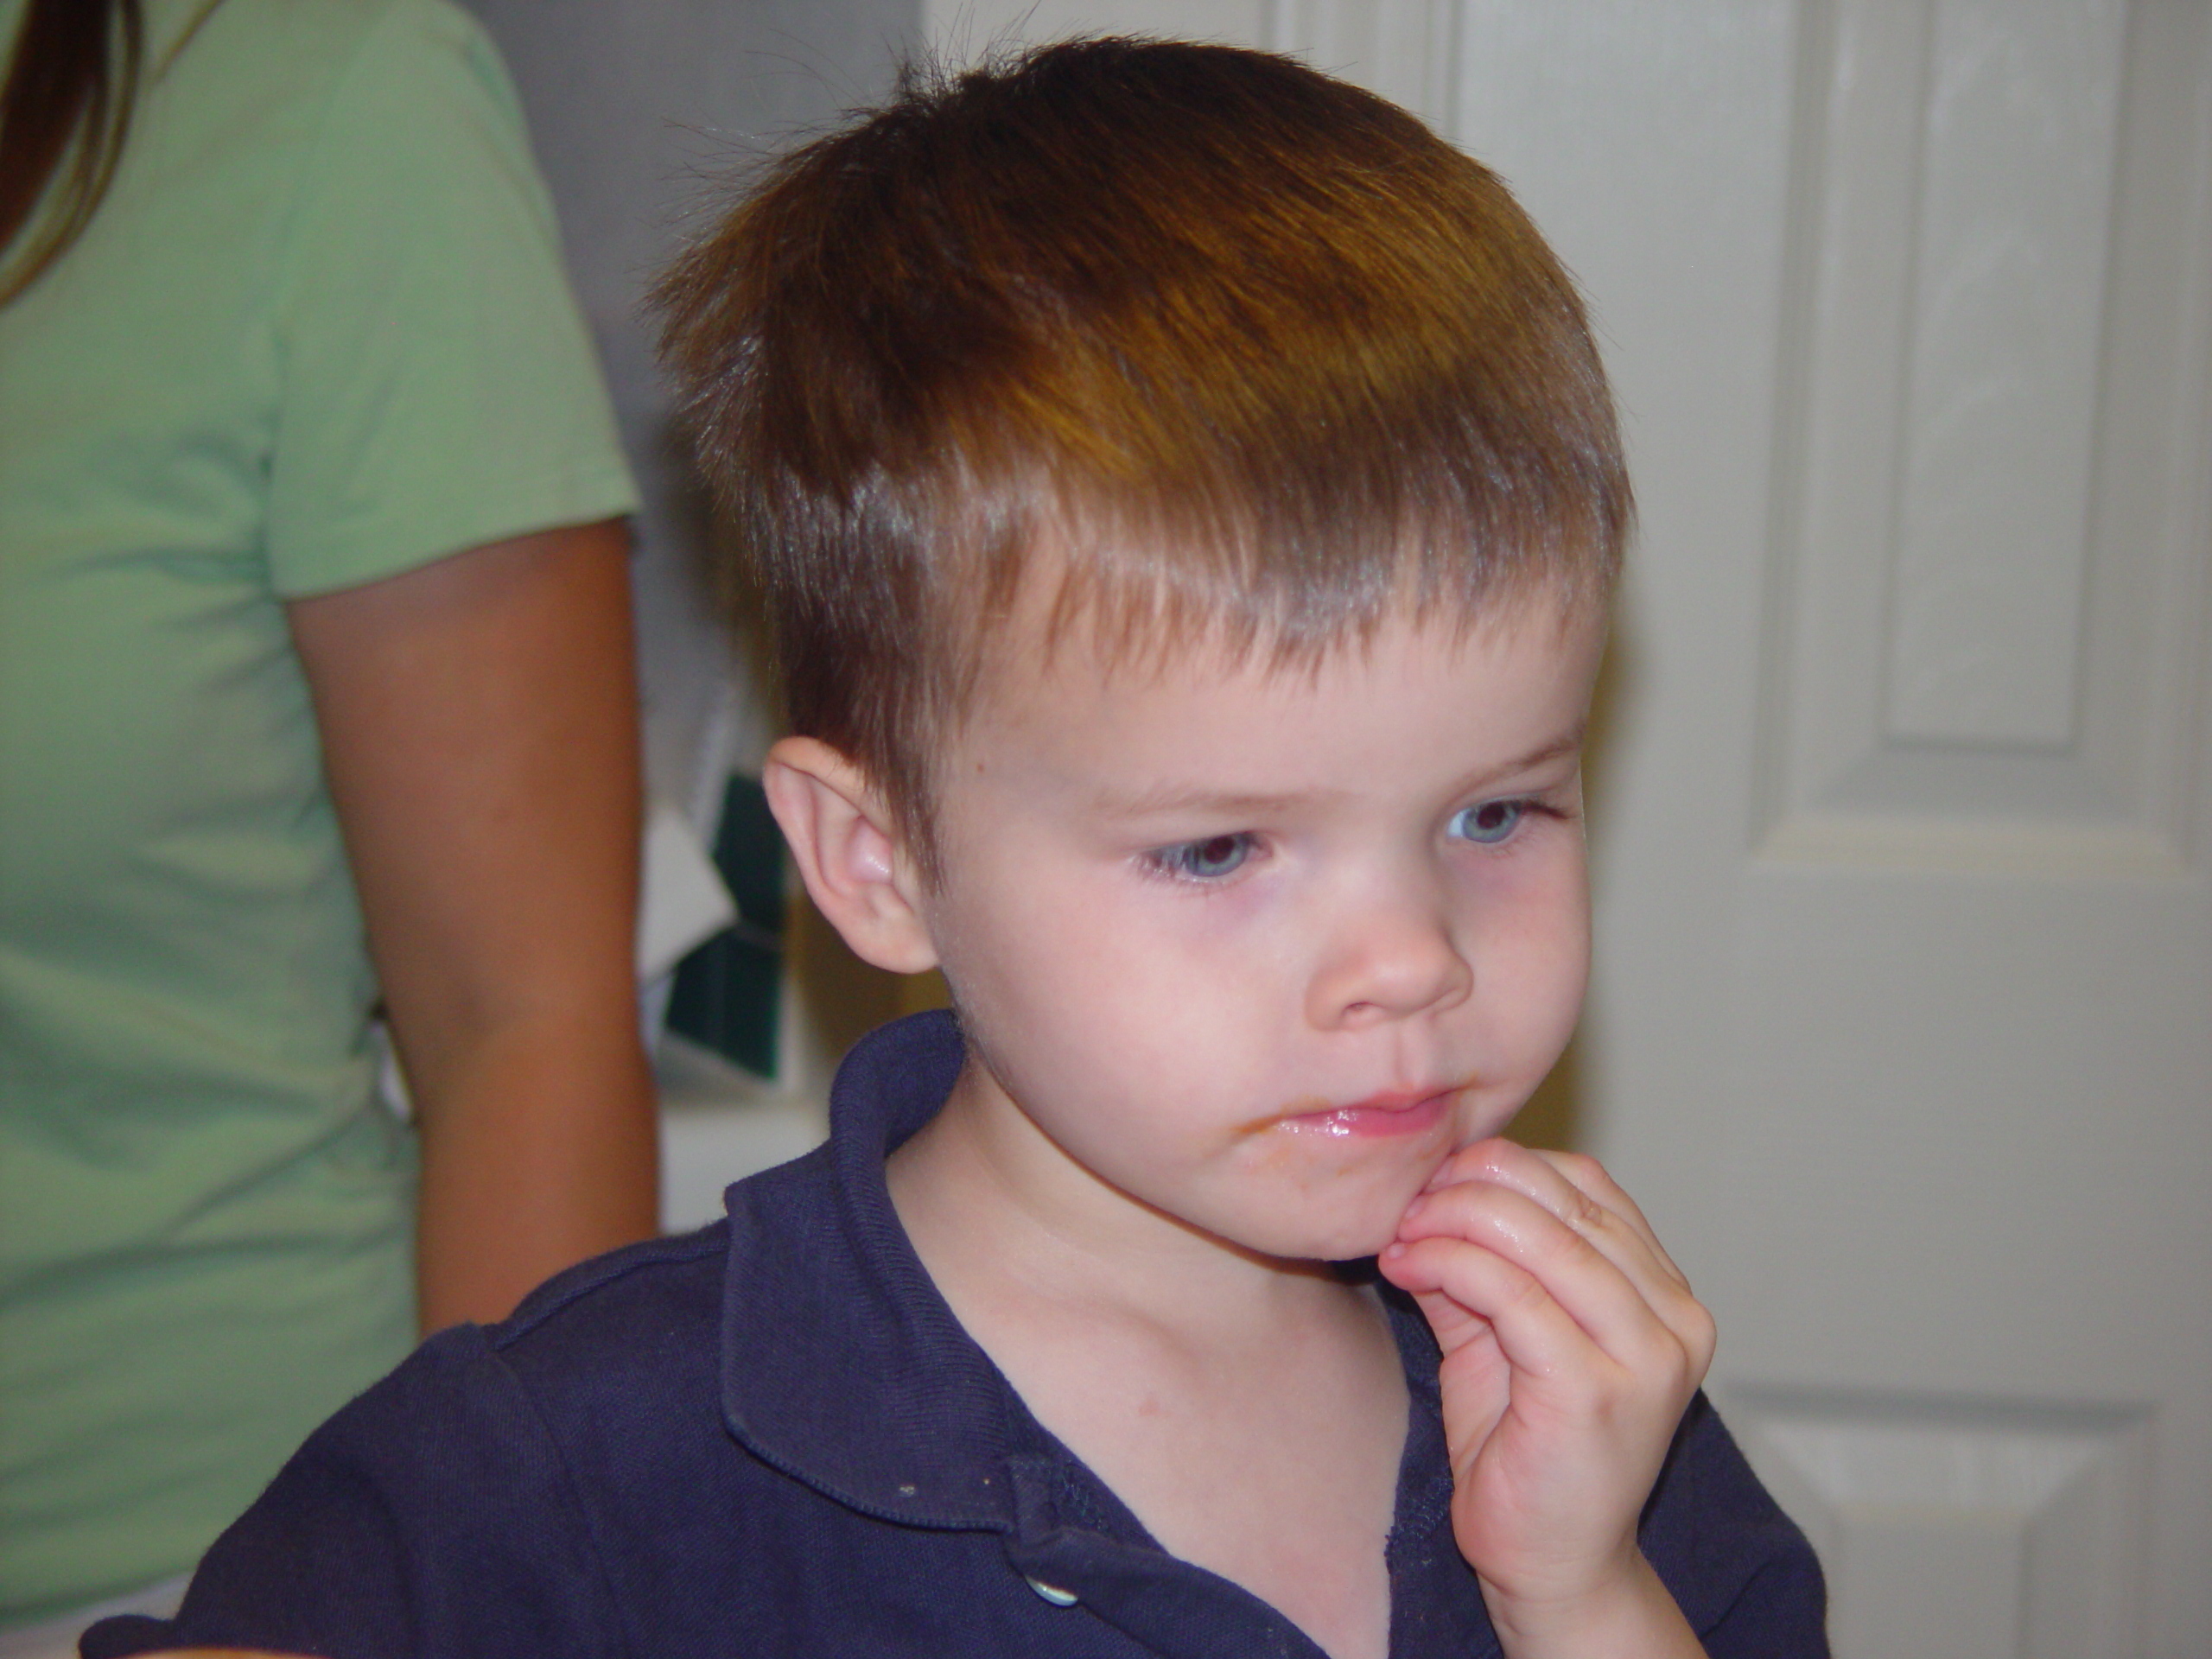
[{"x": 439, "y": 388}]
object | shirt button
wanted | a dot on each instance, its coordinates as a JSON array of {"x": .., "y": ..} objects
[{"x": 1053, "y": 1594}]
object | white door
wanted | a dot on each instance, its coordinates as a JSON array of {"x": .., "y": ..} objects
[{"x": 1903, "y": 1024}]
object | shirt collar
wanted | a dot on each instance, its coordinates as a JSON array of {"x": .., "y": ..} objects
[{"x": 841, "y": 1364}]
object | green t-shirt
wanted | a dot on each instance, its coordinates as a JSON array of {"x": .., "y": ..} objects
[{"x": 317, "y": 334}]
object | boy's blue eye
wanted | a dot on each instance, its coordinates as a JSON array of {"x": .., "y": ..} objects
[
  {"x": 1491, "y": 823},
  {"x": 1208, "y": 860}
]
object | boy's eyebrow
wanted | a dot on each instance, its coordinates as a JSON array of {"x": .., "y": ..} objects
[
  {"x": 1568, "y": 742},
  {"x": 1170, "y": 799}
]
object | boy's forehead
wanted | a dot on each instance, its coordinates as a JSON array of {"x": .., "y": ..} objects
[
  {"x": 1041, "y": 644},
  {"x": 1033, "y": 677}
]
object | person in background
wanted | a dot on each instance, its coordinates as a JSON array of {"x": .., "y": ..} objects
[{"x": 316, "y": 694}]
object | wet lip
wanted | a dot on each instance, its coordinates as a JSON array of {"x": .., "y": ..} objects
[{"x": 1401, "y": 1112}]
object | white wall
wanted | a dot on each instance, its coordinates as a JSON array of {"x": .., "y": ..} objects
[{"x": 634, "y": 106}]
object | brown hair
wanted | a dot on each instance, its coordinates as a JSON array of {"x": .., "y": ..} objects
[
  {"x": 71, "y": 81},
  {"x": 1268, "y": 358}
]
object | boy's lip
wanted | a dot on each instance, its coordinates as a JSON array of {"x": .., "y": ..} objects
[{"x": 1395, "y": 1111}]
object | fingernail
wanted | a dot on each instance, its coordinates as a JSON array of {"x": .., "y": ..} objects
[{"x": 1392, "y": 1251}]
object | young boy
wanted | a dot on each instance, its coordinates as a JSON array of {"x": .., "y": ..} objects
[{"x": 1186, "y": 497}]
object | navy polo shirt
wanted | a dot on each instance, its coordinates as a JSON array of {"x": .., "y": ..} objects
[{"x": 772, "y": 1437}]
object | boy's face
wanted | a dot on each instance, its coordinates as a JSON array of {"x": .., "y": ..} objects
[{"x": 1258, "y": 950}]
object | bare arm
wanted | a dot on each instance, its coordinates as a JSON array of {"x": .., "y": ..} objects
[{"x": 479, "y": 720}]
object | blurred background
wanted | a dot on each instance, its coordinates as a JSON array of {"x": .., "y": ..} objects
[{"x": 1901, "y": 1030}]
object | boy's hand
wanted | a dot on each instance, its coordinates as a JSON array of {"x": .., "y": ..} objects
[{"x": 1572, "y": 1346}]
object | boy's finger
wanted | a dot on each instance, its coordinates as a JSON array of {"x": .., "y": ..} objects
[
  {"x": 1622, "y": 1350},
  {"x": 1572, "y": 1186},
  {"x": 1532, "y": 1330},
  {"x": 1589, "y": 1176},
  {"x": 1481, "y": 1200},
  {"x": 1594, "y": 1265}
]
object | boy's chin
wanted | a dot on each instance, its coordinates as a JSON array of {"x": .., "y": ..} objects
[
  {"x": 1367, "y": 1230},
  {"x": 1351, "y": 1239}
]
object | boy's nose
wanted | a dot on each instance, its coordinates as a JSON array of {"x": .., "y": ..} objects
[{"x": 1394, "y": 954}]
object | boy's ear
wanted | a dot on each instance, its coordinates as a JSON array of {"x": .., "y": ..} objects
[{"x": 855, "y": 866}]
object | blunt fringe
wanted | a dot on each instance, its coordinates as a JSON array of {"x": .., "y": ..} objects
[{"x": 1231, "y": 348}]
